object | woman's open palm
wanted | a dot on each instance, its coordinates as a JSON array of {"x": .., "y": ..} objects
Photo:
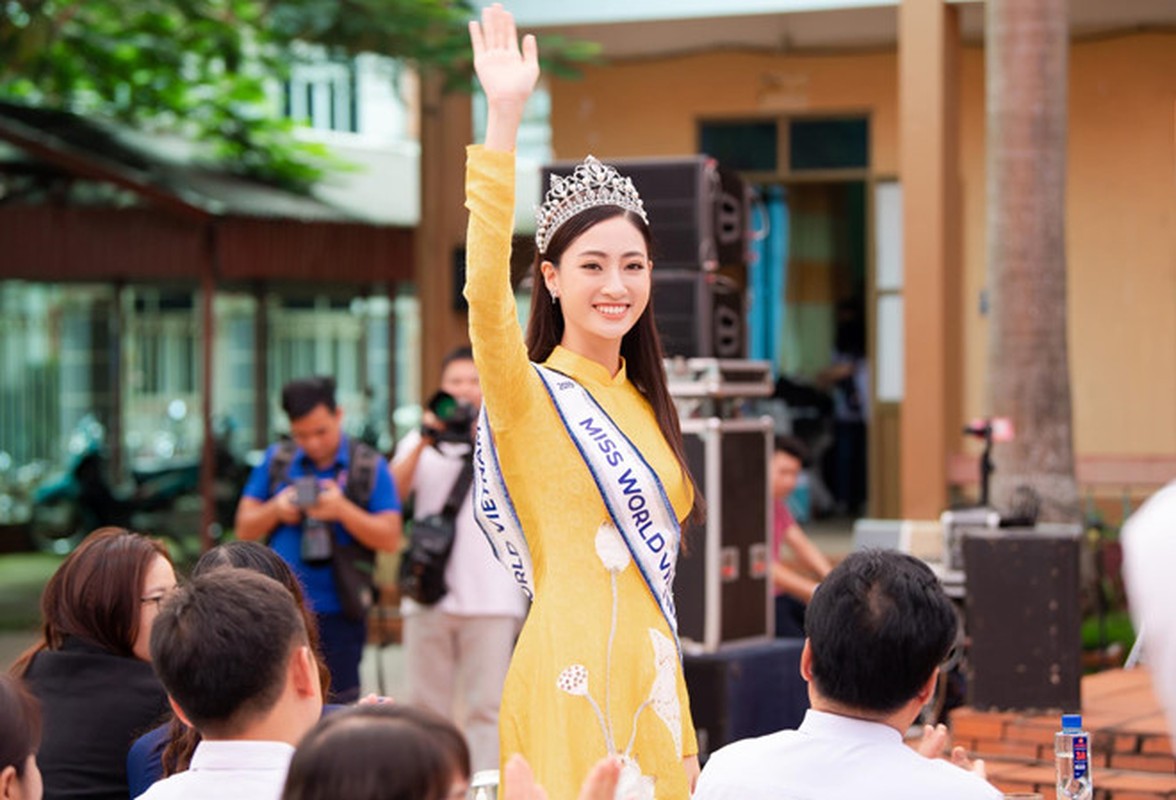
[{"x": 506, "y": 72}]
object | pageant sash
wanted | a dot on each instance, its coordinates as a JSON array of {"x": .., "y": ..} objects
[
  {"x": 631, "y": 490},
  {"x": 495, "y": 513}
]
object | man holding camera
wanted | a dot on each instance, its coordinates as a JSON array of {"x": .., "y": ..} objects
[
  {"x": 325, "y": 503},
  {"x": 463, "y": 641}
]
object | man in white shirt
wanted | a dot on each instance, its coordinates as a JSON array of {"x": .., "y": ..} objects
[
  {"x": 877, "y": 628},
  {"x": 232, "y": 651},
  {"x": 1149, "y": 552},
  {"x": 462, "y": 643}
]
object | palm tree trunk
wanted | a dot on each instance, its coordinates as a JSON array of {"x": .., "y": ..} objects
[{"x": 1028, "y": 364}]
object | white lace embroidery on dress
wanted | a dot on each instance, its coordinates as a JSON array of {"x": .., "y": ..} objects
[{"x": 663, "y": 694}]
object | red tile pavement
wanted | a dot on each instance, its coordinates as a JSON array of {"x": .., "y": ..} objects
[{"x": 1131, "y": 748}]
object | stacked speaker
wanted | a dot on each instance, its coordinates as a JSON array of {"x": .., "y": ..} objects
[{"x": 699, "y": 214}]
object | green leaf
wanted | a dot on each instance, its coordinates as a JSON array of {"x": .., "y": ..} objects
[{"x": 202, "y": 67}]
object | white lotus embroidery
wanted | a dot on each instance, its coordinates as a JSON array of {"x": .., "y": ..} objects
[
  {"x": 663, "y": 693},
  {"x": 611, "y": 548},
  {"x": 632, "y": 785},
  {"x": 574, "y": 681}
]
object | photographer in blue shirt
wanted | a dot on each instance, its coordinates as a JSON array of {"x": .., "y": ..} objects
[{"x": 325, "y": 503}]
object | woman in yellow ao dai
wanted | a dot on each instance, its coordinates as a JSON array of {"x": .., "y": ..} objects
[{"x": 597, "y": 669}]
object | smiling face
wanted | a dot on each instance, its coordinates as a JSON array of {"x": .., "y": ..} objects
[{"x": 603, "y": 284}]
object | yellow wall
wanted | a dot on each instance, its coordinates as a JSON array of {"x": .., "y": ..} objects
[
  {"x": 1121, "y": 241},
  {"x": 1121, "y": 194},
  {"x": 651, "y": 107}
]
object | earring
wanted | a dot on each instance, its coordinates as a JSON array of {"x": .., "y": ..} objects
[{"x": 554, "y": 297}]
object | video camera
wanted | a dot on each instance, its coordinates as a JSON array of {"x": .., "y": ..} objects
[{"x": 456, "y": 418}]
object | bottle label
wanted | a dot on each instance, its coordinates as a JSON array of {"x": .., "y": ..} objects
[{"x": 1081, "y": 757}]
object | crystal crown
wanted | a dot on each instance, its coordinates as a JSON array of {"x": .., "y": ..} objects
[{"x": 591, "y": 184}]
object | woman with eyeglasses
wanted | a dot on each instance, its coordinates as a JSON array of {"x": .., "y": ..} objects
[{"x": 91, "y": 669}]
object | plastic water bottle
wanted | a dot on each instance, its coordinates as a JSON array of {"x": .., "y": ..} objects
[
  {"x": 1072, "y": 754},
  {"x": 484, "y": 785}
]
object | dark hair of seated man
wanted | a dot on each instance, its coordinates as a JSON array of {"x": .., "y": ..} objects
[
  {"x": 878, "y": 626},
  {"x": 222, "y": 645},
  {"x": 256, "y": 557}
]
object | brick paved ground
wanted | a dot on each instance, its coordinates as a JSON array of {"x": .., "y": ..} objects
[{"x": 1131, "y": 749}]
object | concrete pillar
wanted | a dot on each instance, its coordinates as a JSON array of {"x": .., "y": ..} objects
[
  {"x": 929, "y": 49},
  {"x": 446, "y": 129}
]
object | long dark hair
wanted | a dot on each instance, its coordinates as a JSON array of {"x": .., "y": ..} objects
[
  {"x": 256, "y": 557},
  {"x": 640, "y": 347},
  {"x": 20, "y": 724},
  {"x": 94, "y": 594}
]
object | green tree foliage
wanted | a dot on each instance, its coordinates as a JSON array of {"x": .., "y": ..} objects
[{"x": 205, "y": 67}]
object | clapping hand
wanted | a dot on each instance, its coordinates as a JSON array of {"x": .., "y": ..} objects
[
  {"x": 600, "y": 784},
  {"x": 933, "y": 743}
]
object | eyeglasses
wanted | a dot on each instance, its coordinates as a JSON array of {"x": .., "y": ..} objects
[{"x": 155, "y": 599}]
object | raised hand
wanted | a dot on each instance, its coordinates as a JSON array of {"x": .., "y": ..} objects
[
  {"x": 507, "y": 73},
  {"x": 600, "y": 784}
]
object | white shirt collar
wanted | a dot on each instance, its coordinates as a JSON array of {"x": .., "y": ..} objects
[
  {"x": 824, "y": 725},
  {"x": 241, "y": 754}
]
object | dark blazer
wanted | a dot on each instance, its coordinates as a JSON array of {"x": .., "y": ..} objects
[{"x": 94, "y": 704}]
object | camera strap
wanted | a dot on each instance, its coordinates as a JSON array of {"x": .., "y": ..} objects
[
  {"x": 461, "y": 487},
  {"x": 359, "y": 479}
]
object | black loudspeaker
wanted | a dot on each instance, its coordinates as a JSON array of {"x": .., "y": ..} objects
[
  {"x": 745, "y": 690},
  {"x": 722, "y": 588},
  {"x": 1023, "y": 617},
  {"x": 699, "y": 213},
  {"x": 699, "y": 314}
]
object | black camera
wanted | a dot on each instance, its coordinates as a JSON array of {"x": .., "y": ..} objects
[
  {"x": 306, "y": 491},
  {"x": 456, "y": 418}
]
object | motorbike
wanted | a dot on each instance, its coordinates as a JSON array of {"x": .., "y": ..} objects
[{"x": 163, "y": 499}]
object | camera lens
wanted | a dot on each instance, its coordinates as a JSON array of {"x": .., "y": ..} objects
[{"x": 443, "y": 405}]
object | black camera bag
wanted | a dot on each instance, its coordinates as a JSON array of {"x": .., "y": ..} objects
[{"x": 422, "y": 564}]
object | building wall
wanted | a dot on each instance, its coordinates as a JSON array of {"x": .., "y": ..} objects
[
  {"x": 1121, "y": 200},
  {"x": 1121, "y": 241},
  {"x": 642, "y": 108}
]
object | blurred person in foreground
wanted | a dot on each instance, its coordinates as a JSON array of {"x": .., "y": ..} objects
[
  {"x": 323, "y": 503},
  {"x": 878, "y": 628},
  {"x": 1149, "y": 553},
  {"x": 391, "y": 752},
  {"x": 380, "y": 752},
  {"x": 235, "y": 656},
  {"x": 20, "y": 735},
  {"x": 91, "y": 668},
  {"x": 460, "y": 645},
  {"x": 793, "y": 579}
]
